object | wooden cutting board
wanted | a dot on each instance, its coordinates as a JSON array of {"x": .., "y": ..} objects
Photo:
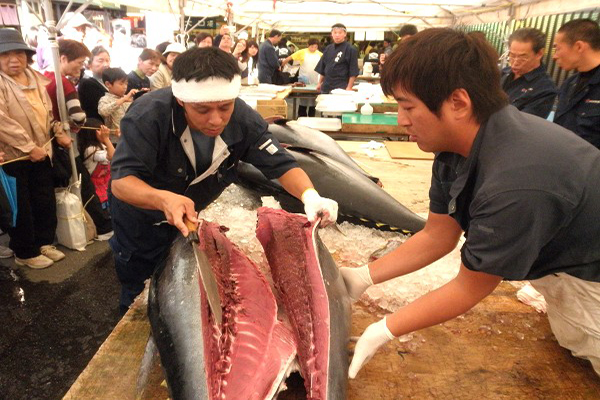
[{"x": 407, "y": 151}]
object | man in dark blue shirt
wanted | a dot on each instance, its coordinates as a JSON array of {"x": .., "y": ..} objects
[
  {"x": 268, "y": 59},
  {"x": 178, "y": 151},
  {"x": 577, "y": 47},
  {"x": 526, "y": 81},
  {"x": 495, "y": 179},
  {"x": 339, "y": 65}
]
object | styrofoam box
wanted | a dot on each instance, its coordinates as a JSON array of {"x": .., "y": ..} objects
[{"x": 321, "y": 124}]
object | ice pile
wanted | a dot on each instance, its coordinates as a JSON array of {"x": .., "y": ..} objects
[{"x": 351, "y": 246}]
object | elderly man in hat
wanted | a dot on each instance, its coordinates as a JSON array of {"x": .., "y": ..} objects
[
  {"x": 25, "y": 123},
  {"x": 179, "y": 150}
]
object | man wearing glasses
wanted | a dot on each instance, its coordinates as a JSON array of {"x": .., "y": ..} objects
[{"x": 526, "y": 81}]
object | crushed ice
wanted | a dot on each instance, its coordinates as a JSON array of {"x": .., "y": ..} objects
[{"x": 352, "y": 247}]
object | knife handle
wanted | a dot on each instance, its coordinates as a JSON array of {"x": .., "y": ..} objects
[{"x": 192, "y": 226}]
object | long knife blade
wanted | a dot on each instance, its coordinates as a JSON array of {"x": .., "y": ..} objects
[{"x": 206, "y": 273}]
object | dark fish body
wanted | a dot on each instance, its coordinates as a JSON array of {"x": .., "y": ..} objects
[
  {"x": 360, "y": 199},
  {"x": 296, "y": 135},
  {"x": 247, "y": 354},
  {"x": 315, "y": 299}
]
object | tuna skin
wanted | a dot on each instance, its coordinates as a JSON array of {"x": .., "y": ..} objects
[
  {"x": 247, "y": 355},
  {"x": 360, "y": 200},
  {"x": 314, "y": 297}
]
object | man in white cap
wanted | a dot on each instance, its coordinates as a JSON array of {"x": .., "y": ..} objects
[
  {"x": 178, "y": 151},
  {"x": 162, "y": 77}
]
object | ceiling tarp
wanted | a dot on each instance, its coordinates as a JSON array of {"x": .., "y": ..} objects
[{"x": 360, "y": 15}]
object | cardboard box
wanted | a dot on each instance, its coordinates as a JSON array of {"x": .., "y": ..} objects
[{"x": 270, "y": 108}]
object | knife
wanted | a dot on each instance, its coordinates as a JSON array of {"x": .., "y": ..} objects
[{"x": 206, "y": 273}]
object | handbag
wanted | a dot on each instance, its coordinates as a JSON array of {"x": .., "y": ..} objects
[{"x": 8, "y": 201}]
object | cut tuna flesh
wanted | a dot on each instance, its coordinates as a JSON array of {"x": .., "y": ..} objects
[
  {"x": 314, "y": 298},
  {"x": 250, "y": 351}
]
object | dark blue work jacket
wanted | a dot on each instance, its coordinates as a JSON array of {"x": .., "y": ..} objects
[
  {"x": 268, "y": 62},
  {"x": 580, "y": 112},
  {"x": 338, "y": 63},
  {"x": 157, "y": 147},
  {"x": 533, "y": 93}
]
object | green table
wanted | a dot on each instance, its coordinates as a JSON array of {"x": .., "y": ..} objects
[{"x": 372, "y": 125}]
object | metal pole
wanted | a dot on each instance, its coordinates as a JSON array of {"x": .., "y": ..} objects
[{"x": 60, "y": 94}]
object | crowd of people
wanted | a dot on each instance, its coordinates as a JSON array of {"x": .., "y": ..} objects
[{"x": 159, "y": 142}]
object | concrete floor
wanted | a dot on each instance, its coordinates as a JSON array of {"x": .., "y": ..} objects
[{"x": 54, "y": 320}]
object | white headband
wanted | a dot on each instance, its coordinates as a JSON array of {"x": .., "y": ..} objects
[{"x": 207, "y": 90}]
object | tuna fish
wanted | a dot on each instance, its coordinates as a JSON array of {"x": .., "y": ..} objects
[
  {"x": 247, "y": 355},
  {"x": 360, "y": 199},
  {"x": 315, "y": 298},
  {"x": 250, "y": 352},
  {"x": 295, "y": 135}
]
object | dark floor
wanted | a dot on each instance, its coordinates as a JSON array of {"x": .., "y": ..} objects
[{"x": 50, "y": 331}]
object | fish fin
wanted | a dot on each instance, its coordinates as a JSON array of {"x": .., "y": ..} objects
[{"x": 148, "y": 361}]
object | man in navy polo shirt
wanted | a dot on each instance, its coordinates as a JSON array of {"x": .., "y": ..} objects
[
  {"x": 577, "y": 47},
  {"x": 523, "y": 190},
  {"x": 178, "y": 151},
  {"x": 339, "y": 65},
  {"x": 526, "y": 81}
]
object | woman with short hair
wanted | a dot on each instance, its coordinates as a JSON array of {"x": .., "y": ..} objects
[{"x": 91, "y": 88}]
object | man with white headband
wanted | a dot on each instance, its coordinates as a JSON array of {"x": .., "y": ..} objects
[
  {"x": 339, "y": 65},
  {"x": 178, "y": 151}
]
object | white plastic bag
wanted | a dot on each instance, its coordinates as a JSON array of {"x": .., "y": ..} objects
[{"x": 71, "y": 228}]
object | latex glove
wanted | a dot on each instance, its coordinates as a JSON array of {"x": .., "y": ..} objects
[
  {"x": 375, "y": 336},
  {"x": 357, "y": 280},
  {"x": 317, "y": 207}
]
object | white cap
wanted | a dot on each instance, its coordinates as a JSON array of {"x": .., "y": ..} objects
[
  {"x": 174, "y": 48},
  {"x": 242, "y": 35},
  {"x": 76, "y": 20}
]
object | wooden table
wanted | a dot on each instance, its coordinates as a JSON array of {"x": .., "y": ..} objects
[
  {"x": 371, "y": 79},
  {"x": 301, "y": 92},
  {"x": 380, "y": 108},
  {"x": 502, "y": 349}
]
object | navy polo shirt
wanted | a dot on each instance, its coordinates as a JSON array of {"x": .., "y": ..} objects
[
  {"x": 533, "y": 93},
  {"x": 150, "y": 149},
  {"x": 527, "y": 197},
  {"x": 338, "y": 63},
  {"x": 579, "y": 110}
]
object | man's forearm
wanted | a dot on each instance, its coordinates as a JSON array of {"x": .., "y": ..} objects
[
  {"x": 295, "y": 182},
  {"x": 449, "y": 301},
  {"x": 138, "y": 193},
  {"x": 438, "y": 238},
  {"x": 350, "y": 83}
]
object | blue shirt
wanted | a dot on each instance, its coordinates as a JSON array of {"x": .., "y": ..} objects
[
  {"x": 152, "y": 149},
  {"x": 579, "y": 106},
  {"x": 527, "y": 198},
  {"x": 338, "y": 64},
  {"x": 268, "y": 62},
  {"x": 533, "y": 93}
]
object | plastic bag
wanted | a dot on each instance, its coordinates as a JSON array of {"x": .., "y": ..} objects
[{"x": 71, "y": 227}]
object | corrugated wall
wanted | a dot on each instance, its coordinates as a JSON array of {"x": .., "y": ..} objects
[{"x": 497, "y": 34}]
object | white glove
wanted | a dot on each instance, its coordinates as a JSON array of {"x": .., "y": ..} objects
[
  {"x": 357, "y": 280},
  {"x": 317, "y": 207},
  {"x": 375, "y": 336}
]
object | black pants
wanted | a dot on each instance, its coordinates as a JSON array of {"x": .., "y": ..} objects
[
  {"x": 36, "y": 202},
  {"x": 306, "y": 111},
  {"x": 134, "y": 267}
]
